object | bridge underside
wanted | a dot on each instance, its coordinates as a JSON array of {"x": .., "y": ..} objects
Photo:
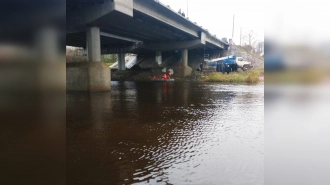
[
  {"x": 129, "y": 26},
  {"x": 134, "y": 26}
]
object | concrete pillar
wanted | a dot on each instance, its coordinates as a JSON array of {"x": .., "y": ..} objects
[
  {"x": 48, "y": 71},
  {"x": 184, "y": 70},
  {"x": 93, "y": 44},
  {"x": 87, "y": 47},
  {"x": 159, "y": 57},
  {"x": 121, "y": 61},
  {"x": 184, "y": 57},
  {"x": 92, "y": 75}
]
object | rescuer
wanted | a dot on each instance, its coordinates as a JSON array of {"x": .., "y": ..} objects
[
  {"x": 164, "y": 76},
  {"x": 169, "y": 75}
]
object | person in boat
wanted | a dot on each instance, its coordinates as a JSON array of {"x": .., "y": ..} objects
[
  {"x": 164, "y": 76},
  {"x": 169, "y": 74}
]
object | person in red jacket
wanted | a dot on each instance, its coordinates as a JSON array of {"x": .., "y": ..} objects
[{"x": 164, "y": 76}]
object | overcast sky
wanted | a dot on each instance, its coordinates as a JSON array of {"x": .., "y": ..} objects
[
  {"x": 303, "y": 24},
  {"x": 217, "y": 16}
]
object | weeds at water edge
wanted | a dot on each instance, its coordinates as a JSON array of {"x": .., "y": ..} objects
[{"x": 250, "y": 76}]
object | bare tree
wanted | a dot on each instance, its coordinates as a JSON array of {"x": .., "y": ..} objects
[
  {"x": 250, "y": 35},
  {"x": 255, "y": 46},
  {"x": 250, "y": 38},
  {"x": 244, "y": 38}
]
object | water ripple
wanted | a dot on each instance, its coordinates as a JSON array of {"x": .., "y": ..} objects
[{"x": 197, "y": 134}]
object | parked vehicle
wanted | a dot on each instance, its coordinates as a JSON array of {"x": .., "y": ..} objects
[
  {"x": 241, "y": 63},
  {"x": 229, "y": 64}
]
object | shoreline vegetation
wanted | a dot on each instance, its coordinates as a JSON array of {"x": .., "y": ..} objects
[
  {"x": 253, "y": 75},
  {"x": 249, "y": 76}
]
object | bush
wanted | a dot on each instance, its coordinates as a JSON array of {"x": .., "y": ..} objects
[{"x": 250, "y": 76}]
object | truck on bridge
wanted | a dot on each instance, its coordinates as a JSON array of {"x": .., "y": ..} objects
[{"x": 228, "y": 64}]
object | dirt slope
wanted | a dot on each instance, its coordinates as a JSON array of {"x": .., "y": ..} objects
[{"x": 256, "y": 62}]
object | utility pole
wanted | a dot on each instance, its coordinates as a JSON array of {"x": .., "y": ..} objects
[
  {"x": 187, "y": 8},
  {"x": 240, "y": 38},
  {"x": 232, "y": 37}
]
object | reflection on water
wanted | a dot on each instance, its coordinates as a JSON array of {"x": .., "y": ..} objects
[{"x": 166, "y": 133}]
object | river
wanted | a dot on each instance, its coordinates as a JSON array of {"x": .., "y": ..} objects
[{"x": 167, "y": 133}]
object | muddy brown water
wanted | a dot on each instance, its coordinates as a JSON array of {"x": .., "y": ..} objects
[{"x": 166, "y": 133}]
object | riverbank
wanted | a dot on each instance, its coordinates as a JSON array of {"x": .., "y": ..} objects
[{"x": 249, "y": 76}]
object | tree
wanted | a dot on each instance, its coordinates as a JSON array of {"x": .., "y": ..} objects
[
  {"x": 250, "y": 35},
  {"x": 251, "y": 42},
  {"x": 109, "y": 58}
]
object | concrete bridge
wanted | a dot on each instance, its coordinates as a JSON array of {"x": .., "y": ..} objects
[{"x": 127, "y": 26}]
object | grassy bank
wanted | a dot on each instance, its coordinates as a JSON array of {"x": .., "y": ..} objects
[
  {"x": 109, "y": 63},
  {"x": 250, "y": 76}
]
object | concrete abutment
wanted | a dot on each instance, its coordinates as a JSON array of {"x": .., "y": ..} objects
[{"x": 93, "y": 75}]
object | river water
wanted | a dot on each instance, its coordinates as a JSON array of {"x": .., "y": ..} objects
[{"x": 167, "y": 133}]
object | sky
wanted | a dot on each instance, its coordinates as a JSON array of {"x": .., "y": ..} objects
[
  {"x": 303, "y": 24},
  {"x": 217, "y": 16}
]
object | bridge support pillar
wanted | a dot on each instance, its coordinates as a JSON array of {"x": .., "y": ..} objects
[
  {"x": 185, "y": 70},
  {"x": 93, "y": 44},
  {"x": 159, "y": 57},
  {"x": 93, "y": 75},
  {"x": 121, "y": 61},
  {"x": 184, "y": 57}
]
